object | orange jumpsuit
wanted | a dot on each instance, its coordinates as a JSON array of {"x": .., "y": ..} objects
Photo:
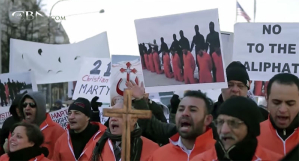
[
  {"x": 146, "y": 61},
  {"x": 219, "y": 67},
  {"x": 258, "y": 88},
  {"x": 205, "y": 68},
  {"x": 151, "y": 62},
  {"x": 189, "y": 67},
  {"x": 176, "y": 64},
  {"x": 157, "y": 63},
  {"x": 142, "y": 62},
  {"x": 166, "y": 65}
]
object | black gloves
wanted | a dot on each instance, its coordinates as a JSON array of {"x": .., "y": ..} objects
[{"x": 94, "y": 104}]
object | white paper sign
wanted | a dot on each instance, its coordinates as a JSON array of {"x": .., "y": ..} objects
[
  {"x": 54, "y": 63},
  {"x": 94, "y": 79},
  {"x": 4, "y": 114},
  {"x": 267, "y": 49},
  {"x": 60, "y": 117}
]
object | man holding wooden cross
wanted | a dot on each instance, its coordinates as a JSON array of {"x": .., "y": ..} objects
[{"x": 123, "y": 140}]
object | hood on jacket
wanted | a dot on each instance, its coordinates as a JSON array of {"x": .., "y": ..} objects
[
  {"x": 40, "y": 102},
  {"x": 15, "y": 104}
]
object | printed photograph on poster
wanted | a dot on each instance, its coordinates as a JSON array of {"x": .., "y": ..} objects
[
  {"x": 182, "y": 51},
  {"x": 12, "y": 84},
  {"x": 94, "y": 79},
  {"x": 259, "y": 88},
  {"x": 124, "y": 68}
]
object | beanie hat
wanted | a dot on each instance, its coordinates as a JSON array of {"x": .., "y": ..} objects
[
  {"x": 82, "y": 105},
  {"x": 237, "y": 71},
  {"x": 244, "y": 109}
]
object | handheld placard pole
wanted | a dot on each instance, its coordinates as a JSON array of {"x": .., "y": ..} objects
[{"x": 127, "y": 113}]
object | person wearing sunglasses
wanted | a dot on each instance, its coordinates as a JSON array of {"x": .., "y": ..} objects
[
  {"x": 33, "y": 110},
  {"x": 238, "y": 126}
]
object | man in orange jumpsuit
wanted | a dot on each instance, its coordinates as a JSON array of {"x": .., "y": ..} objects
[
  {"x": 280, "y": 133},
  {"x": 217, "y": 58},
  {"x": 150, "y": 59},
  {"x": 165, "y": 59},
  {"x": 188, "y": 58},
  {"x": 156, "y": 59},
  {"x": 204, "y": 63},
  {"x": 238, "y": 133},
  {"x": 176, "y": 64}
]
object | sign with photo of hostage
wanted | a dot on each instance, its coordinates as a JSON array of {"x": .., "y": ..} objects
[{"x": 181, "y": 51}]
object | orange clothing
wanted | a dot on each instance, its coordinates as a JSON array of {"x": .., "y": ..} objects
[
  {"x": 51, "y": 131},
  {"x": 156, "y": 59},
  {"x": 172, "y": 151},
  {"x": 176, "y": 65},
  {"x": 41, "y": 157},
  {"x": 151, "y": 62},
  {"x": 142, "y": 62},
  {"x": 146, "y": 61},
  {"x": 258, "y": 88},
  {"x": 205, "y": 68},
  {"x": 265, "y": 88},
  {"x": 148, "y": 147},
  {"x": 269, "y": 139},
  {"x": 219, "y": 67},
  {"x": 167, "y": 66},
  {"x": 64, "y": 148},
  {"x": 189, "y": 67},
  {"x": 261, "y": 154}
]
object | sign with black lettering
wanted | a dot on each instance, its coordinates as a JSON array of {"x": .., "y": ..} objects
[
  {"x": 94, "y": 79},
  {"x": 267, "y": 49}
]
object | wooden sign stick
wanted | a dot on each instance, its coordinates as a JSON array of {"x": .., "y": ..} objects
[{"x": 127, "y": 113}]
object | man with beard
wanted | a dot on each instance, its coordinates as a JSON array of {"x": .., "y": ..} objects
[
  {"x": 109, "y": 145},
  {"x": 193, "y": 137},
  {"x": 238, "y": 127},
  {"x": 280, "y": 133},
  {"x": 78, "y": 142}
]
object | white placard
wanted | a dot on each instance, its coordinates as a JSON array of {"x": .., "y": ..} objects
[
  {"x": 60, "y": 117},
  {"x": 94, "y": 79},
  {"x": 267, "y": 49},
  {"x": 4, "y": 114},
  {"x": 54, "y": 63}
]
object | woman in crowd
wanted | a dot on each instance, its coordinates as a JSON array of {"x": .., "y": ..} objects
[{"x": 25, "y": 143}]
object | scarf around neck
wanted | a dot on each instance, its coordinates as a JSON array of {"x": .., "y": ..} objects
[{"x": 136, "y": 144}]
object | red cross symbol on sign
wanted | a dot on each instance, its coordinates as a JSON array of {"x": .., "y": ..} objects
[{"x": 128, "y": 70}]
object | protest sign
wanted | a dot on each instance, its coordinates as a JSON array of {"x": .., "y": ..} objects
[
  {"x": 178, "y": 53},
  {"x": 4, "y": 114},
  {"x": 94, "y": 79},
  {"x": 54, "y": 63},
  {"x": 60, "y": 117},
  {"x": 267, "y": 49}
]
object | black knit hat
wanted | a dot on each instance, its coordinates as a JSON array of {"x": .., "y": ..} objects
[
  {"x": 237, "y": 71},
  {"x": 82, "y": 105},
  {"x": 244, "y": 109}
]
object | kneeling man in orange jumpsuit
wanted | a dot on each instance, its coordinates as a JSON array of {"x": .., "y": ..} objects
[
  {"x": 156, "y": 59},
  {"x": 177, "y": 66},
  {"x": 165, "y": 59},
  {"x": 217, "y": 58},
  {"x": 238, "y": 133},
  {"x": 204, "y": 62},
  {"x": 189, "y": 67}
]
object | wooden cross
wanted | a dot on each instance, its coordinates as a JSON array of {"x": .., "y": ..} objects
[{"x": 127, "y": 113}]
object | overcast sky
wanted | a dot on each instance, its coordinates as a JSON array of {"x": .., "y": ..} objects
[{"x": 119, "y": 16}]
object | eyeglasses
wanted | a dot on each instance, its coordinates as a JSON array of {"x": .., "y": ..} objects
[
  {"x": 32, "y": 105},
  {"x": 231, "y": 123}
]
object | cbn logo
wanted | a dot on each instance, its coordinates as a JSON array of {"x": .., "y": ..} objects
[{"x": 30, "y": 15}]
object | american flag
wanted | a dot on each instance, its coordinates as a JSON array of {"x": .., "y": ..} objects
[{"x": 241, "y": 12}]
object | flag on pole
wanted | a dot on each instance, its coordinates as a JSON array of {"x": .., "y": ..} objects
[{"x": 241, "y": 12}]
